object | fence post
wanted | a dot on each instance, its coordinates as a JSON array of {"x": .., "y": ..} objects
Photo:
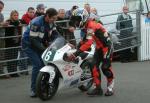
[{"x": 138, "y": 29}]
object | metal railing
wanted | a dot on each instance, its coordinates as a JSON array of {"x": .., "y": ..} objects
[
  {"x": 10, "y": 59},
  {"x": 21, "y": 63}
]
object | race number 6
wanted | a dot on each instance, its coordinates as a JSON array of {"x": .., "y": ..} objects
[{"x": 48, "y": 55}]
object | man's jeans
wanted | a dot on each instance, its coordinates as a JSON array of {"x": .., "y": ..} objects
[{"x": 35, "y": 59}]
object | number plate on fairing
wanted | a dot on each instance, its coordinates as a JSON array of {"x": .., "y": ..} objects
[{"x": 49, "y": 56}]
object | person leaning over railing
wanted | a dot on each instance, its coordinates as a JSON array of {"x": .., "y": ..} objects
[
  {"x": 14, "y": 29},
  {"x": 124, "y": 25},
  {"x": 62, "y": 27},
  {"x": 28, "y": 16},
  {"x": 87, "y": 8},
  {"x": 68, "y": 13},
  {"x": 94, "y": 11},
  {"x": 2, "y": 34}
]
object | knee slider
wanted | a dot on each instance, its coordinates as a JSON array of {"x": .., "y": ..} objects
[{"x": 108, "y": 73}]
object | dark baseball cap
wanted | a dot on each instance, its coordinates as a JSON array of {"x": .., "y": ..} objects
[{"x": 40, "y": 6}]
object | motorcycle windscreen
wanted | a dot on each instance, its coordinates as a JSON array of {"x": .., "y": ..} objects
[
  {"x": 49, "y": 53},
  {"x": 58, "y": 43}
]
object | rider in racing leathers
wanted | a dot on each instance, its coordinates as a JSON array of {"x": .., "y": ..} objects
[{"x": 95, "y": 32}]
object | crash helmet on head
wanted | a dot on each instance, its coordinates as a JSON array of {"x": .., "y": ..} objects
[{"x": 80, "y": 16}]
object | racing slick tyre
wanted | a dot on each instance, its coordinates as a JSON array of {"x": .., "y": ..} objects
[
  {"x": 86, "y": 76},
  {"x": 44, "y": 89}
]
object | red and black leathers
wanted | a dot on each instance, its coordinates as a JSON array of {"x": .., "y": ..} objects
[{"x": 103, "y": 52}]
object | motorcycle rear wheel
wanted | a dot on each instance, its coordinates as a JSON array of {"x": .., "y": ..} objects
[
  {"x": 44, "y": 89},
  {"x": 86, "y": 67}
]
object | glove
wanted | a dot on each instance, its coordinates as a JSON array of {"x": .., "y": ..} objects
[
  {"x": 71, "y": 57},
  {"x": 77, "y": 53}
]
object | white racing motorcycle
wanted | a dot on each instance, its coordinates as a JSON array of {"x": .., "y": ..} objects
[{"x": 60, "y": 73}]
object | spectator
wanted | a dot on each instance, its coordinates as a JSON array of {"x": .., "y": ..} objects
[
  {"x": 63, "y": 29},
  {"x": 2, "y": 34},
  {"x": 61, "y": 14},
  {"x": 87, "y": 8},
  {"x": 12, "y": 53},
  {"x": 69, "y": 12},
  {"x": 37, "y": 36},
  {"x": 147, "y": 19},
  {"x": 26, "y": 18},
  {"x": 94, "y": 11},
  {"x": 40, "y": 10},
  {"x": 61, "y": 17},
  {"x": 124, "y": 25}
]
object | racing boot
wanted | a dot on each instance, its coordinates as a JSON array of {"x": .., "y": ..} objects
[
  {"x": 95, "y": 91},
  {"x": 110, "y": 90}
]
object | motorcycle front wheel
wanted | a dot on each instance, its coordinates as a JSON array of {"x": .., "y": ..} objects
[
  {"x": 86, "y": 76},
  {"x": 44, "y": 89}
]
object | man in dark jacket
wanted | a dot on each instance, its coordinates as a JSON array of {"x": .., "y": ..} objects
[
  {"x": 124, "y": 25},
  {"x": 37, "y": 36}
]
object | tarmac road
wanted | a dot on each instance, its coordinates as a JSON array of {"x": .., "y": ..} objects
[{"x": 132, "y": 85}]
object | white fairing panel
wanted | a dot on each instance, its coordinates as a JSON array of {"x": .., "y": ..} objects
[
  {"x": 71, "y": 73},
  {"x": 43, "y": 55},
  {"x": 50, "y": 70},
  {"x": 60, "y": 53}
]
